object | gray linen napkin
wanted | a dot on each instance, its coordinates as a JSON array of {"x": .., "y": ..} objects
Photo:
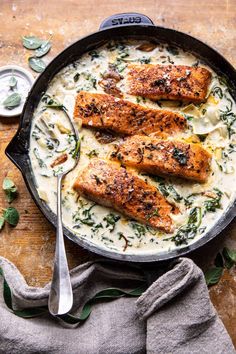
[{"x": 174, "y": 315}]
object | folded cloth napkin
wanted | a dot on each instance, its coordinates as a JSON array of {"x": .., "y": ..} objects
[{"x": 174, "y": 314}]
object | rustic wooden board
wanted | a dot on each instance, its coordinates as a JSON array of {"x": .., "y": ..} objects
[{"x": 31, "y": 244}]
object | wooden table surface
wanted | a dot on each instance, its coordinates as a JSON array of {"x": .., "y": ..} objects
[{"x": 30, "y": 246}]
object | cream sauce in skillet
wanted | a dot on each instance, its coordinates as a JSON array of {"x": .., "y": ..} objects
[{"x": 211, "y": 123}]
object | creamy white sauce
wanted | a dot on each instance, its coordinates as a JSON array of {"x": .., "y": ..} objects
[{"x": 206, "y": 120}]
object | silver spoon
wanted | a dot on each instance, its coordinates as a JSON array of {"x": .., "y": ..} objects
[{"x": 61, "y": 296}]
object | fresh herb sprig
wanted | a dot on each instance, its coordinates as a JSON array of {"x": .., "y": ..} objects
[{"x": 41, "y": 48}]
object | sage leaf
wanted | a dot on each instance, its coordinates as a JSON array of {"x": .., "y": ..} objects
[
  {"x": 229, "y": 257},
  {"x": 11, "y": 194},
  {"x": 2, "y": 221},
  {"x": 11, "y": 215},
  {"x": 7, "y": 184},
  {"x": 37, "y": 64},
  {"x": 213, "y": 275},
  {"x": 6, "y": 292},
  {"x": 12, "y": 82},
  {"x": 12, "y": 101},
  {"x": 109, "y": 293},
  {"x": 43, "y": 50},
  {"x": 106, "y": 294},
  {"x": 32, "y": 42},
  {"x": 10, "y": 189}
]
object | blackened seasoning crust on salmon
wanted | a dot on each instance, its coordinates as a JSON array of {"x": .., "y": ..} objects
[
  {"x": 113, "y": 186},
  {"x": 103, "y": 111},
  {"x": 165, "y": 157},
  {"x": 170, "y": 82}
]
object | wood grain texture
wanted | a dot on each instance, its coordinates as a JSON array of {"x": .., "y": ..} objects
[{"x": 31, "y": 244}]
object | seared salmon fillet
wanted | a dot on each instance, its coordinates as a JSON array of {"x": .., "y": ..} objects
[
  {"x": 170, "y": 82},
  {"x": 165, "y": 157},
  {"x": 111, "y": 185},
  {"x": 103, "y": 111}
]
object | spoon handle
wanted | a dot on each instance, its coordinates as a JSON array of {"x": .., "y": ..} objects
[{"x": 61, "y": 296}]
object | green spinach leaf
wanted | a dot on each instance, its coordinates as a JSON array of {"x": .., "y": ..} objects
[
  {"x": 189, "y": 230},
  {"x": 51, "y": 102},
  {"x": 214, "y": 203},
  {"x": 111, "y": 220}
]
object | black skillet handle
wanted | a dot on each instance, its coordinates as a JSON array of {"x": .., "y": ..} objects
[
  {"x": 17, "y": 149},
  {"x": 125, "y": 19}
]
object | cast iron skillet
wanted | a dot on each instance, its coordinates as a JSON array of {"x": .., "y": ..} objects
[{"x": 126, "y": 25}]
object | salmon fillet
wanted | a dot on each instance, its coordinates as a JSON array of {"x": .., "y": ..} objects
[
  {"x": 103, "y": 111},
  {"x": 165, "y": 157},
  {"x": 171, "y": 82},
  {"x": 111, "y": 185}
]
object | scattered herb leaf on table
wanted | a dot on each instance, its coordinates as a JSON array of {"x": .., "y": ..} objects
[
  {"x": 32, "y": 42},
  {"x": 43, "y": 50},
  {"x": 37, "y": 64}
]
